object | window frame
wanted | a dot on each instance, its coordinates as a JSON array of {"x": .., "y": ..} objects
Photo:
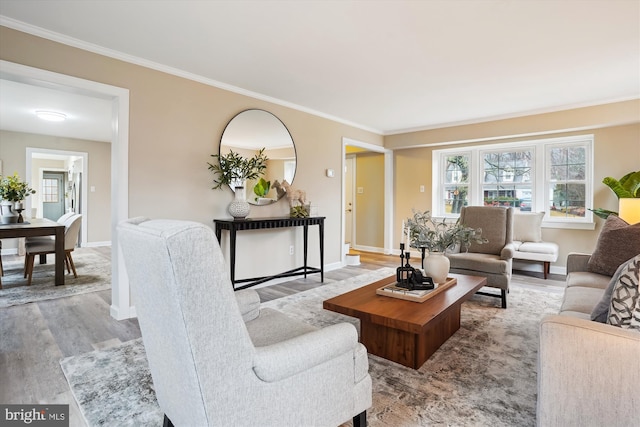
[{"x": 540, "y": 180}]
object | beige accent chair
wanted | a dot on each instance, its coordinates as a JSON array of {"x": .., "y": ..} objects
[
  {"x": 493, "y": 259},
  {"x": 47, "y": 246},
  {"x": 217, "y": 358}
]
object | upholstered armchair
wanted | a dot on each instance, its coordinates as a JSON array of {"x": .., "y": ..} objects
[
  {"x": 493, "y": 259},
  {"x": 216, "y": 357}
]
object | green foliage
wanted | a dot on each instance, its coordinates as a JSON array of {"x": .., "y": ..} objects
[
  {"x": 262, "y": 188},
  {"x": 233, "y": 169},
  {"x": 627, "y": 187},
  {"x": 425, "y": 231},
  {"x": 14, "y": 190}
]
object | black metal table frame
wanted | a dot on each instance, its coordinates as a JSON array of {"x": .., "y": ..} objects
[{"x": 233, "y": 226}]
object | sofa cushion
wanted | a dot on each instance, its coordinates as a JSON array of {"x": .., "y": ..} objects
[
  {"x": 618, "y": 241},
  {"x": 584, "y": 279},
  {"x": 580, "y": 299},
  {"x": 527, "y": 227},
  {"x": 625, "y": 294},
  {"x": 484, "y": 263},
  {"x": 601, "y": 310},
  {"x": 635, "y": 317}
]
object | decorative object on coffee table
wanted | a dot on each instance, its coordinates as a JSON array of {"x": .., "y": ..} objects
[{"x": 435, "y": 236}]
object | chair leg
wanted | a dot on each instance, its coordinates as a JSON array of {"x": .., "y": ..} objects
[
  {"x": 547, "y": 267},
  {"x": 360, "y": 420},
  {"x": 503, "y": 293},
  {"x": 167, "y": 422},
  {"x": 29, "y": 269},
  {"x": 70, "y": 262}
]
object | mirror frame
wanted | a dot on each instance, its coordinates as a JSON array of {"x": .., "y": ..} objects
[{"x": 249, "y": 192}]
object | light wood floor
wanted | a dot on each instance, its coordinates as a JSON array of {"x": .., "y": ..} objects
[{"x": 34, "y": 337}]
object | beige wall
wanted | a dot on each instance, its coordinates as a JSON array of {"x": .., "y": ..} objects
[
  {"x": 616, "y": 152},
  {"x": 175, "y": 125},
  {"x": 13, "y": 147},
  {"x": 370, "y": 203}
]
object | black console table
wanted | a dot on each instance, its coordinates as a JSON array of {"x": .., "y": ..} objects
[{"x": 265, "y": 223}]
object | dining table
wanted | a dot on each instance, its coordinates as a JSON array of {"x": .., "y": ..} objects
[{"x": 40, "y": 227}]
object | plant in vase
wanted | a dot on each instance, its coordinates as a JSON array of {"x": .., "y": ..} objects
[
  {"x": 438, "y": 237},
  {"x": 233, "y": 170},
  {"x": 12, "y": 193}
]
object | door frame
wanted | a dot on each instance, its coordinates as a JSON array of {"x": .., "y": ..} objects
[
  {"x": 85, "y": 165},
  {"x": 388, "y": 192},
  {"x": 121, "y": 307}
]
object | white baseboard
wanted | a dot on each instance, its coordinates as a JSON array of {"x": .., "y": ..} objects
[
  {"x": 96, "y": 244},
  {"x": 118, "y": 314},
  {"x": 369, "y": 249}
]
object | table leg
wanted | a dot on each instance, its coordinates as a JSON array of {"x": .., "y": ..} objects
[
  {"x": 321, "y": 233},
  {"x": 60, "y": 256},
  {"x": 232, "y": 256},
  {"x": 305, "y": 233}
]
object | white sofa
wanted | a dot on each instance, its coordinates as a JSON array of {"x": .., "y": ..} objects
[
  {"x": 527, "y": 241},
  {"x": 588, "y": 372}
]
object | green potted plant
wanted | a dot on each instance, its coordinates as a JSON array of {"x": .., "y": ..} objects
[
  {"x": 440, "y": 235},
  {"x": 234, "y": 170},
  {"x": 626, "y": 187},
  {"x": 12, "y": 192}
]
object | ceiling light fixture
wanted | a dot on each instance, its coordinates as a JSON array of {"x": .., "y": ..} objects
[{"x": 52, "y": 116}]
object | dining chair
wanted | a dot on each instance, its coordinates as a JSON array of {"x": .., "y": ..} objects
[{"x": 72, "y": 228}]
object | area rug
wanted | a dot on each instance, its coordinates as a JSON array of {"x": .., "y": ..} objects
[
  {"x": 485, "y": 375},
  {"x": 94, "y": 274}
]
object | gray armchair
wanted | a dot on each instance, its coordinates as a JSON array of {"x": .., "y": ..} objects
[
  {"x": 493, "y": 259},
  {"x": 216, "y": 358}
]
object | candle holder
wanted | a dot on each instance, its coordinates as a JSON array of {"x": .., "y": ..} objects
[{"x": 410, "y": 278}]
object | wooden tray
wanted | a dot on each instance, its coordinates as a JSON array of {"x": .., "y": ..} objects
[{"x": 402, "y": 293}]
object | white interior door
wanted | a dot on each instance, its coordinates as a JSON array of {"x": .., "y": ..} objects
[{"x": 349, "y": 202}]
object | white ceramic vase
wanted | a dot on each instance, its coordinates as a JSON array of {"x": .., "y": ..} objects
[
  {"x": 7, "y": 212},
  {"x": 239, "y": 207},
  {"x": 436, "y": 266}
]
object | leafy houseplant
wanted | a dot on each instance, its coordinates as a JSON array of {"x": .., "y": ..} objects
[
  {"x": 439, "y": 236},
  {"x": 233, "y": 169},
  {"x": 626, "y": 187},
  {"x": 261, "y": 189},
  {"x": 12, "y": 189}
]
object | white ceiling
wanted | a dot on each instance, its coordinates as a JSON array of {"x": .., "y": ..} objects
[{"x": 386, "y": 66}]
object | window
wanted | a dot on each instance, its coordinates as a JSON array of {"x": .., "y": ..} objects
[
  {"x": 455, "y": 182},
  {"x": 506, "y": 177},
  {"x": 567, "y": 181},
  {"x": 551, "y": 175},
  {"x": 50, "y": 190}
]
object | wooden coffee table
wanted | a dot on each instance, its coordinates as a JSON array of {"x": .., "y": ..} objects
[{"x": 403, "y": 331}]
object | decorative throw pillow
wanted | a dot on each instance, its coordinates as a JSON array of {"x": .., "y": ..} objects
[
  {"x": 618, "y": 241},
  {"x": 527, "y": 227},
  {"x": 600, "y": 312},
  {"x": 635, "y": 317},
  {"x": 625, "y": 295}
]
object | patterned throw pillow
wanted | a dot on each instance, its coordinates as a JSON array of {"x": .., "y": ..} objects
[
  {"x": 635, "y": 317},
  {"x": 625, "y": 295}
]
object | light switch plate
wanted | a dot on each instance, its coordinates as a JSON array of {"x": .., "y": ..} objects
[{"x": 330, "y": 173}]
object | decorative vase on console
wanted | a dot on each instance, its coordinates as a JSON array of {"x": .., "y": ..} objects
[
  {"x": 436, "y": 266},
  {"x": 239, "y": 207}
]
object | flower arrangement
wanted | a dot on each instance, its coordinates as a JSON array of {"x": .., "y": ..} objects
[
  {"x": 14, "y": 190},
  {"x": 233, "y": 169},
  {"x": 439, "y": 236}
]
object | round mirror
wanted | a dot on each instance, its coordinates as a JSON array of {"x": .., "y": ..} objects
[{"x": 246, "y": 134}]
